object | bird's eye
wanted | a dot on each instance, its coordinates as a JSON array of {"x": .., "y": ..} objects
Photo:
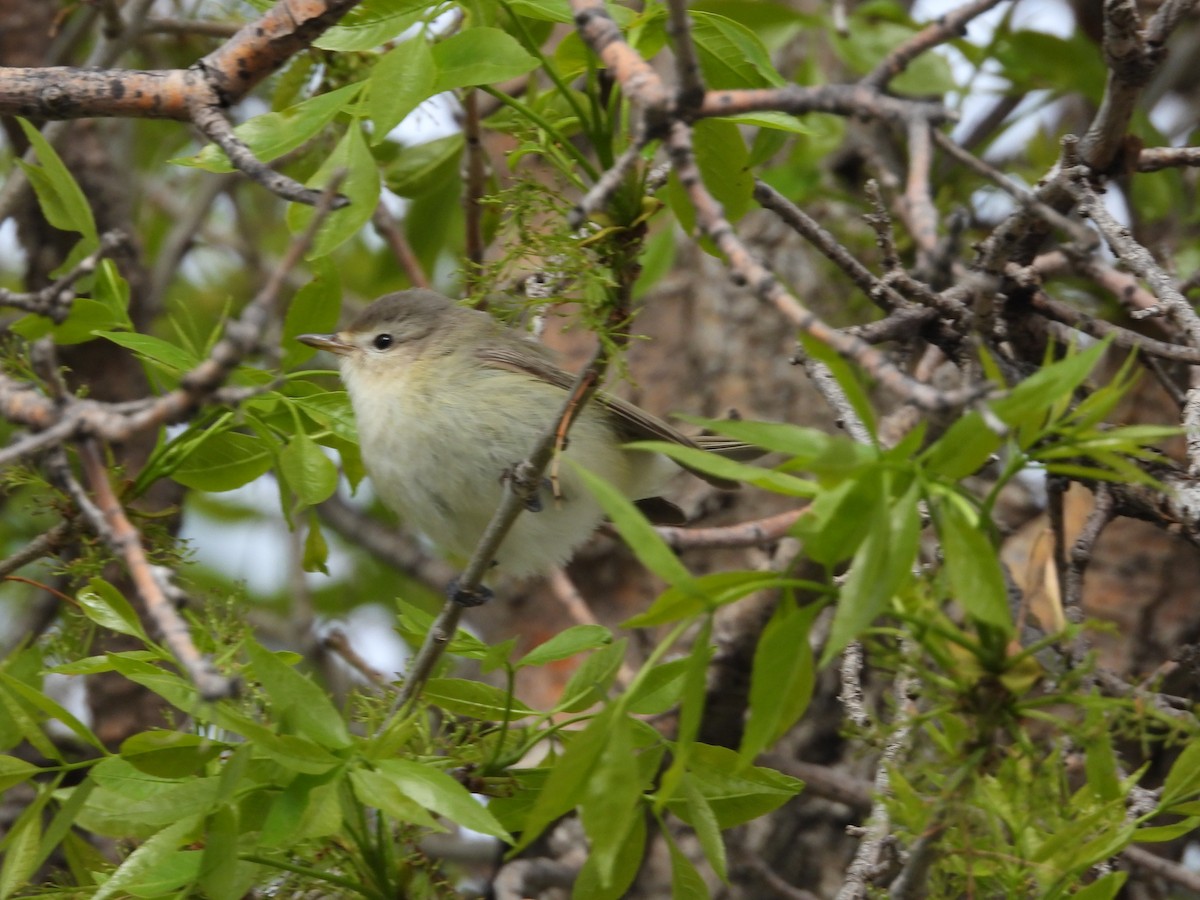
[{"x": 383, "y": 341}]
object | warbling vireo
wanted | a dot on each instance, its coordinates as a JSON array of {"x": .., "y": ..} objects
[{"x": 448, "y": 400}]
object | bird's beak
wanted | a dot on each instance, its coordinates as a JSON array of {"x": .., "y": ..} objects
[{"x": 331, "y": 342}]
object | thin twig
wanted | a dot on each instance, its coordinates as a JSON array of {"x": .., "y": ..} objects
[
  {"x": 54, "y": 301},
  {"x": 337, "y": 641},
  {"x": 1084, "y": 549},
  {"x": 689, "y": 83},
  {"x": 389, "y": 229},
  {"x": 754, "y": 533},
  {"x": 807, "y": 227},
  {"x": 747, "y": 269},
  {"x": 949, "y": 26},
  {"x": 150, "y": 582},
  {"x": 206, "y": 114}
]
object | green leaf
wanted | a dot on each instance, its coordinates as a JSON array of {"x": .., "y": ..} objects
[
  {"x": 273, "y": 134},
  {"x": 170, "y": 754},
  {"x": 567, "y": 643},
  {"x": 782, "y": 678},
  {"x": 659, "y": 690},
  {"x": 1183, "y": 781},
  {"x": 685, "y": 880},
  {"x": 1158, "y": 834},
  {"x": 310, "y": 474},
  {"x": 316, "y": 550},
  {"x": 840, "y": 519},
  {"x": 723, "y": 159},
  {"x": 708, "y": 831},
  {"x": 146, "y": 857},
  {"x": 50, "y": 709},
  {"x": 691, "y": 711},
  {"x": 567, "y": 783},
  {"x": 60, "y": 197},
  {"x": 480, "y": 56},
  {"x": 650, "y": 549},
  {"x": 313, "y": 310},
  {"x": 964, "y": 449},
  {"x": 89, "y": 316},
  {"x": 14, "y": 771},
  {"x": 710, "y": 592},
  {"x": 1106, "y": 887},
  {"x": 809, "y": 448},
  {"x": 298, "y": 701},
  {"x": 589, "y": 684},
  {"x": 1028, "y": 401},
  {"x": 104, "y": 605},
  {"x": 19, "y": 722},
  {"x": 735, "y": 794},
  {"x": 378, "y": 791},
  {"x": 543, "y": 10},
  {"x": 629, "y": 858},
  {"x": 219, "y": 876},
  {"x": 611, "y": 800},
  {"x": 171, "y": 358},
  {"x": 21, "y": 852},
  {"x": 437, "y": 791},
  {"x": 309, "y": 807},
  {"x": 360, "y": 187},
  {"x": 731, "y": 55},
  {"x": 972, "y": 563},
  {"x": 713, "y": 464},
  {"x": 401, "y": 79},
  {"x": 423, "y": 169},
  {"x": 774, "y": 121},
  {"x": 223, "y": 461},
  {"x": 882, "y": 564},
  {"x": 474, "y": 699},
  {"x": 371, "y": 23}
]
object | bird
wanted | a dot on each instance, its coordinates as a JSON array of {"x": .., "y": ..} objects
[{"x": 447, "y": 399}]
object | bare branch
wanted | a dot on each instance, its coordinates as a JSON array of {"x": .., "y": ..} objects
[
  {"x": 54, "y": 301},
  {"x": 947, "y": 27},
  {"x": 748, "y": 270},
  {"x": 744, "y": 534}
]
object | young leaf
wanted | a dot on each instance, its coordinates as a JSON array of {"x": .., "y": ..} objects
[
  {"x": 314, "y": 309},
  {"x": 310, "y": 474},
  {"x": 222, "y": 461},
  {"x": 273, "y": 134},
  {"x": 437, "y": 791},
  {"x": 299, "y": 702},
  {"x": 590, "y": 682},
  {"x": 703, "y": 461},
  {"x": 650, "y": 549},
  {"x": 480, "y": 56},
  {"x": 473, "y": 699},
  {"x": 708, "y": 831},
  {"x": 401, "y": 79},
  {"x": 611, "y": 800},
  {"x": 104, "y": 605},
  {"x": 685, "y": 880},
  {"x": 60, "y": 197},
  {"x": 146, "y": 857},
  {"x": 782, "y": 678},
  {"x": 361, "y": 188},
  {"x": 567, "y": 783},
  {"x": 567, "y": 643},
  {"x": 972, "y": 563}
]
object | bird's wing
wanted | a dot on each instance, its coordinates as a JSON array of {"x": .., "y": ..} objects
[{"x": 633, "y": 423}]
